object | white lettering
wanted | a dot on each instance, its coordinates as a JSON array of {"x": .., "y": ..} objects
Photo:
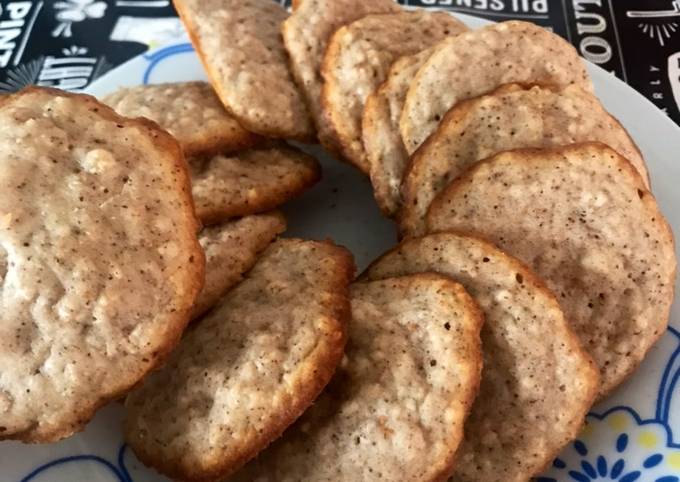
[
  {"x": 577, "y": 3},
  {"x": 66, "y": 84},
  {"x": 519, "y": 6},
  {"x": 65, "y": 72},
  {"x": 7, "y": 45},
  {"x": 598, "y": 26},
  {"x": 7, "y": 37},
  {"x": 11, "y": 23},
  {"x": 596, "y": 49},
  {"x": 540, "y": 6},
  {"x": 53, "y": 61},
  {"x": 10, "y": 29},
  {"x": 18, "y": 10},
  {"x": 69, "y": 73}
]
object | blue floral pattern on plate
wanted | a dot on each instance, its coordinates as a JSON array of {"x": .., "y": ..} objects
[
  {"x": 118, "y": 469},
  {"x": 632, "y": 440},
  {"x": 618, "y": 446}
]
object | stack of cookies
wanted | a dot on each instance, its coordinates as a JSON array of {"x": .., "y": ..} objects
[{"x": 535, "y": 270}]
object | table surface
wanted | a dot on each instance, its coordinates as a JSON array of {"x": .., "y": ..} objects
[{"x": 70, "y": 43}]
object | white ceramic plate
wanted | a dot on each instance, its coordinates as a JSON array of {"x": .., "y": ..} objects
[{"x": 633, "y": 436}]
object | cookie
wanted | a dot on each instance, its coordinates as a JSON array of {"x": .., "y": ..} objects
[
  {"x": 537, "y": 382},
  {"x": 240, "y": 45},
  {"x": 249, "y": 368},
  {"x": 478, "y": 62},
  {"x": 100, "y": 260},
  {"x": 249, "y": 182},
  {"x": 306, "y": 34},
  {"x": 508, "y": 119},
  {"x": 190, "y": 111},
  {"x": 231, "y": 249},
  {"x": 357, "y": 60},
  {"x": 385, "y": 152},
  {"x": 396, "y": 406},
  {"x": 581, "y": 218}
]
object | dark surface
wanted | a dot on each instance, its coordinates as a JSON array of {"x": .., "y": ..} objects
[{"x": 70, "y": 43}]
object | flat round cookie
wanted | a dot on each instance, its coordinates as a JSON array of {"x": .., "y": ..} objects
[
  {"x": 357, "y": 60},
  {"x": 249, "y": 182},
  {"x": 396, "y": 406},
  {"x": 249, "y": 368},
  {"x": 582, "y": 218},
  {"x": 510, "y": 118},
  {"x": 240, "y": 45},
  {"x": 100, "y": 260},
  {"x": 231, "y": 249},
  {"x": 385, "y": 152},
  {"x": 190, "y": 111},
  {"x": 478, "y": 62},
  {"x": 536, "y": 378},
  {"x": 306, "y": 34}
]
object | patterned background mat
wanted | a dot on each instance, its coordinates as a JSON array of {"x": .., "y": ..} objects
[{"x": 70, "y": 43}]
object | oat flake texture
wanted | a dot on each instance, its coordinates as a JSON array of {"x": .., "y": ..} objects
[
  {"x": 249, "y": 368},
  {"x": 231, "y": 249},
  {"x": 480, "y": 61},
  {"x": 537, "y": 382},
  {"x": 396, "y": 406},
  {"x": 357, "y": 60},
  {"x": 306, "y": 34},
  {"x": 100, "y": 262},
  {"x": 190, "y": 111},
  {"x": 240, "y": 45},
  {"x": 385, "y": 152},
  {"x": 581, "y": 218},
  {"x": 509, "y": 118},
  {"x": 225, "y": 186}
]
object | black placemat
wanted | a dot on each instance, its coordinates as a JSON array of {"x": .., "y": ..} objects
[{"x": 70, "y": 43}]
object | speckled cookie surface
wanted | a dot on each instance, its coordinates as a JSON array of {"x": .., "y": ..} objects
[
  {"x": 385, "y": 152},
  {"x": 512, "y": 118},
  {"x": 231, "y": 249},
  {"x": 478, "y": 62},
  {"x": 537, "y": 382},
  {"x": 240, "y": 45},
  {"x": 582, "y": 218},
  {"x": 100, "y": 260},
  {"x": 249, "y": 368},
  {"x": 248, "y": 182},
  {"x": 190, "y": 111},
  {"x": 306, "y": 34},
  {"x": 396, "y": 406},
  {"x": 357, "y": 60}
]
